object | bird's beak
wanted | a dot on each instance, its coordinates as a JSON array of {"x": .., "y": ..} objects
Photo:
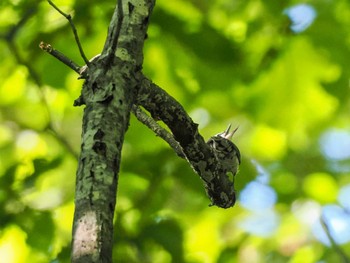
[{"x": 227, "y": 134}]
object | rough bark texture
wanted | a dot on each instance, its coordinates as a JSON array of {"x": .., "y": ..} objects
[
  {"x": 108, "y": 93},
  {"x": 114, "y": 86},
  {"x": 201, "y": 157}
]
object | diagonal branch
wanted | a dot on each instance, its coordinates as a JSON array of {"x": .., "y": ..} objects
[
  {"x": 69, "y": 18},
  {"x": 60, "y": 56},
  {"x": 185, "y": 139},
  {"x": 200, "y": 156},
  {"x": 113, "y": 32},
  {"x": 158, "y": 130}
]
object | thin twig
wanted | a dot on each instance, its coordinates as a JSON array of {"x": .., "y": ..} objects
[
  {"x": 69, "y": 18},
  {"x": 119, "y": 26},
  {"x": 334, "y": 244},
  {"x": 113, "y": 35},
  {"x": 60, "y": 56},
  {"x": 158, "y": 130}
]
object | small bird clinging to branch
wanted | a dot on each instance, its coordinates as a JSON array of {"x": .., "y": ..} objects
[{"x": 226, "y": 152}]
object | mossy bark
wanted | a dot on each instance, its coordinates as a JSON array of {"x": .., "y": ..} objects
[{"x": 108, "y": 95}]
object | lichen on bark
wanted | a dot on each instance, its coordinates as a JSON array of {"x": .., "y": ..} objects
[
  {"x": 108, "y": 94},
  {"x": 114, "y": 86}
]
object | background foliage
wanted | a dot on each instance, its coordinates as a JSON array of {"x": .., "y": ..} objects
[{"x": 277, "y": 69}]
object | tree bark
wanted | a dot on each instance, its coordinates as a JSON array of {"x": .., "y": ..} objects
[
  {"x": 201, "y": 157},
  {"x": 114, "y": 86},
  {"x": 108, "y": 94}
]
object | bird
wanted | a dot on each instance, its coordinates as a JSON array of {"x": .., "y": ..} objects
[{"x": 225, "y": 151}]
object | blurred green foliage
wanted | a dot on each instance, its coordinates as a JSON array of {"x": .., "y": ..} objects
[{"x": 239, "y": 62}]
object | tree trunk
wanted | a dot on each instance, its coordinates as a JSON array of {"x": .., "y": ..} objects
[
  {"x": 108, "y": 93},
  {"x": 114, "y": 86}
]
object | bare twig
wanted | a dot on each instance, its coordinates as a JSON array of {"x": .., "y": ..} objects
[
  {"x": 113, "y": 32},
  {"x": 69, "y": 18},
  {"x": 60, "y": 56},
  {"x": 158, "y": 130}
]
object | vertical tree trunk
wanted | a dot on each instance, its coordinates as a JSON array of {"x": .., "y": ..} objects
[
  {"x": 114, "y": 84},
  {"x": 108, "y": 93}
]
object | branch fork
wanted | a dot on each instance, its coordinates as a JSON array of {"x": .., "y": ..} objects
[{"x": 184, "y": 137}]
